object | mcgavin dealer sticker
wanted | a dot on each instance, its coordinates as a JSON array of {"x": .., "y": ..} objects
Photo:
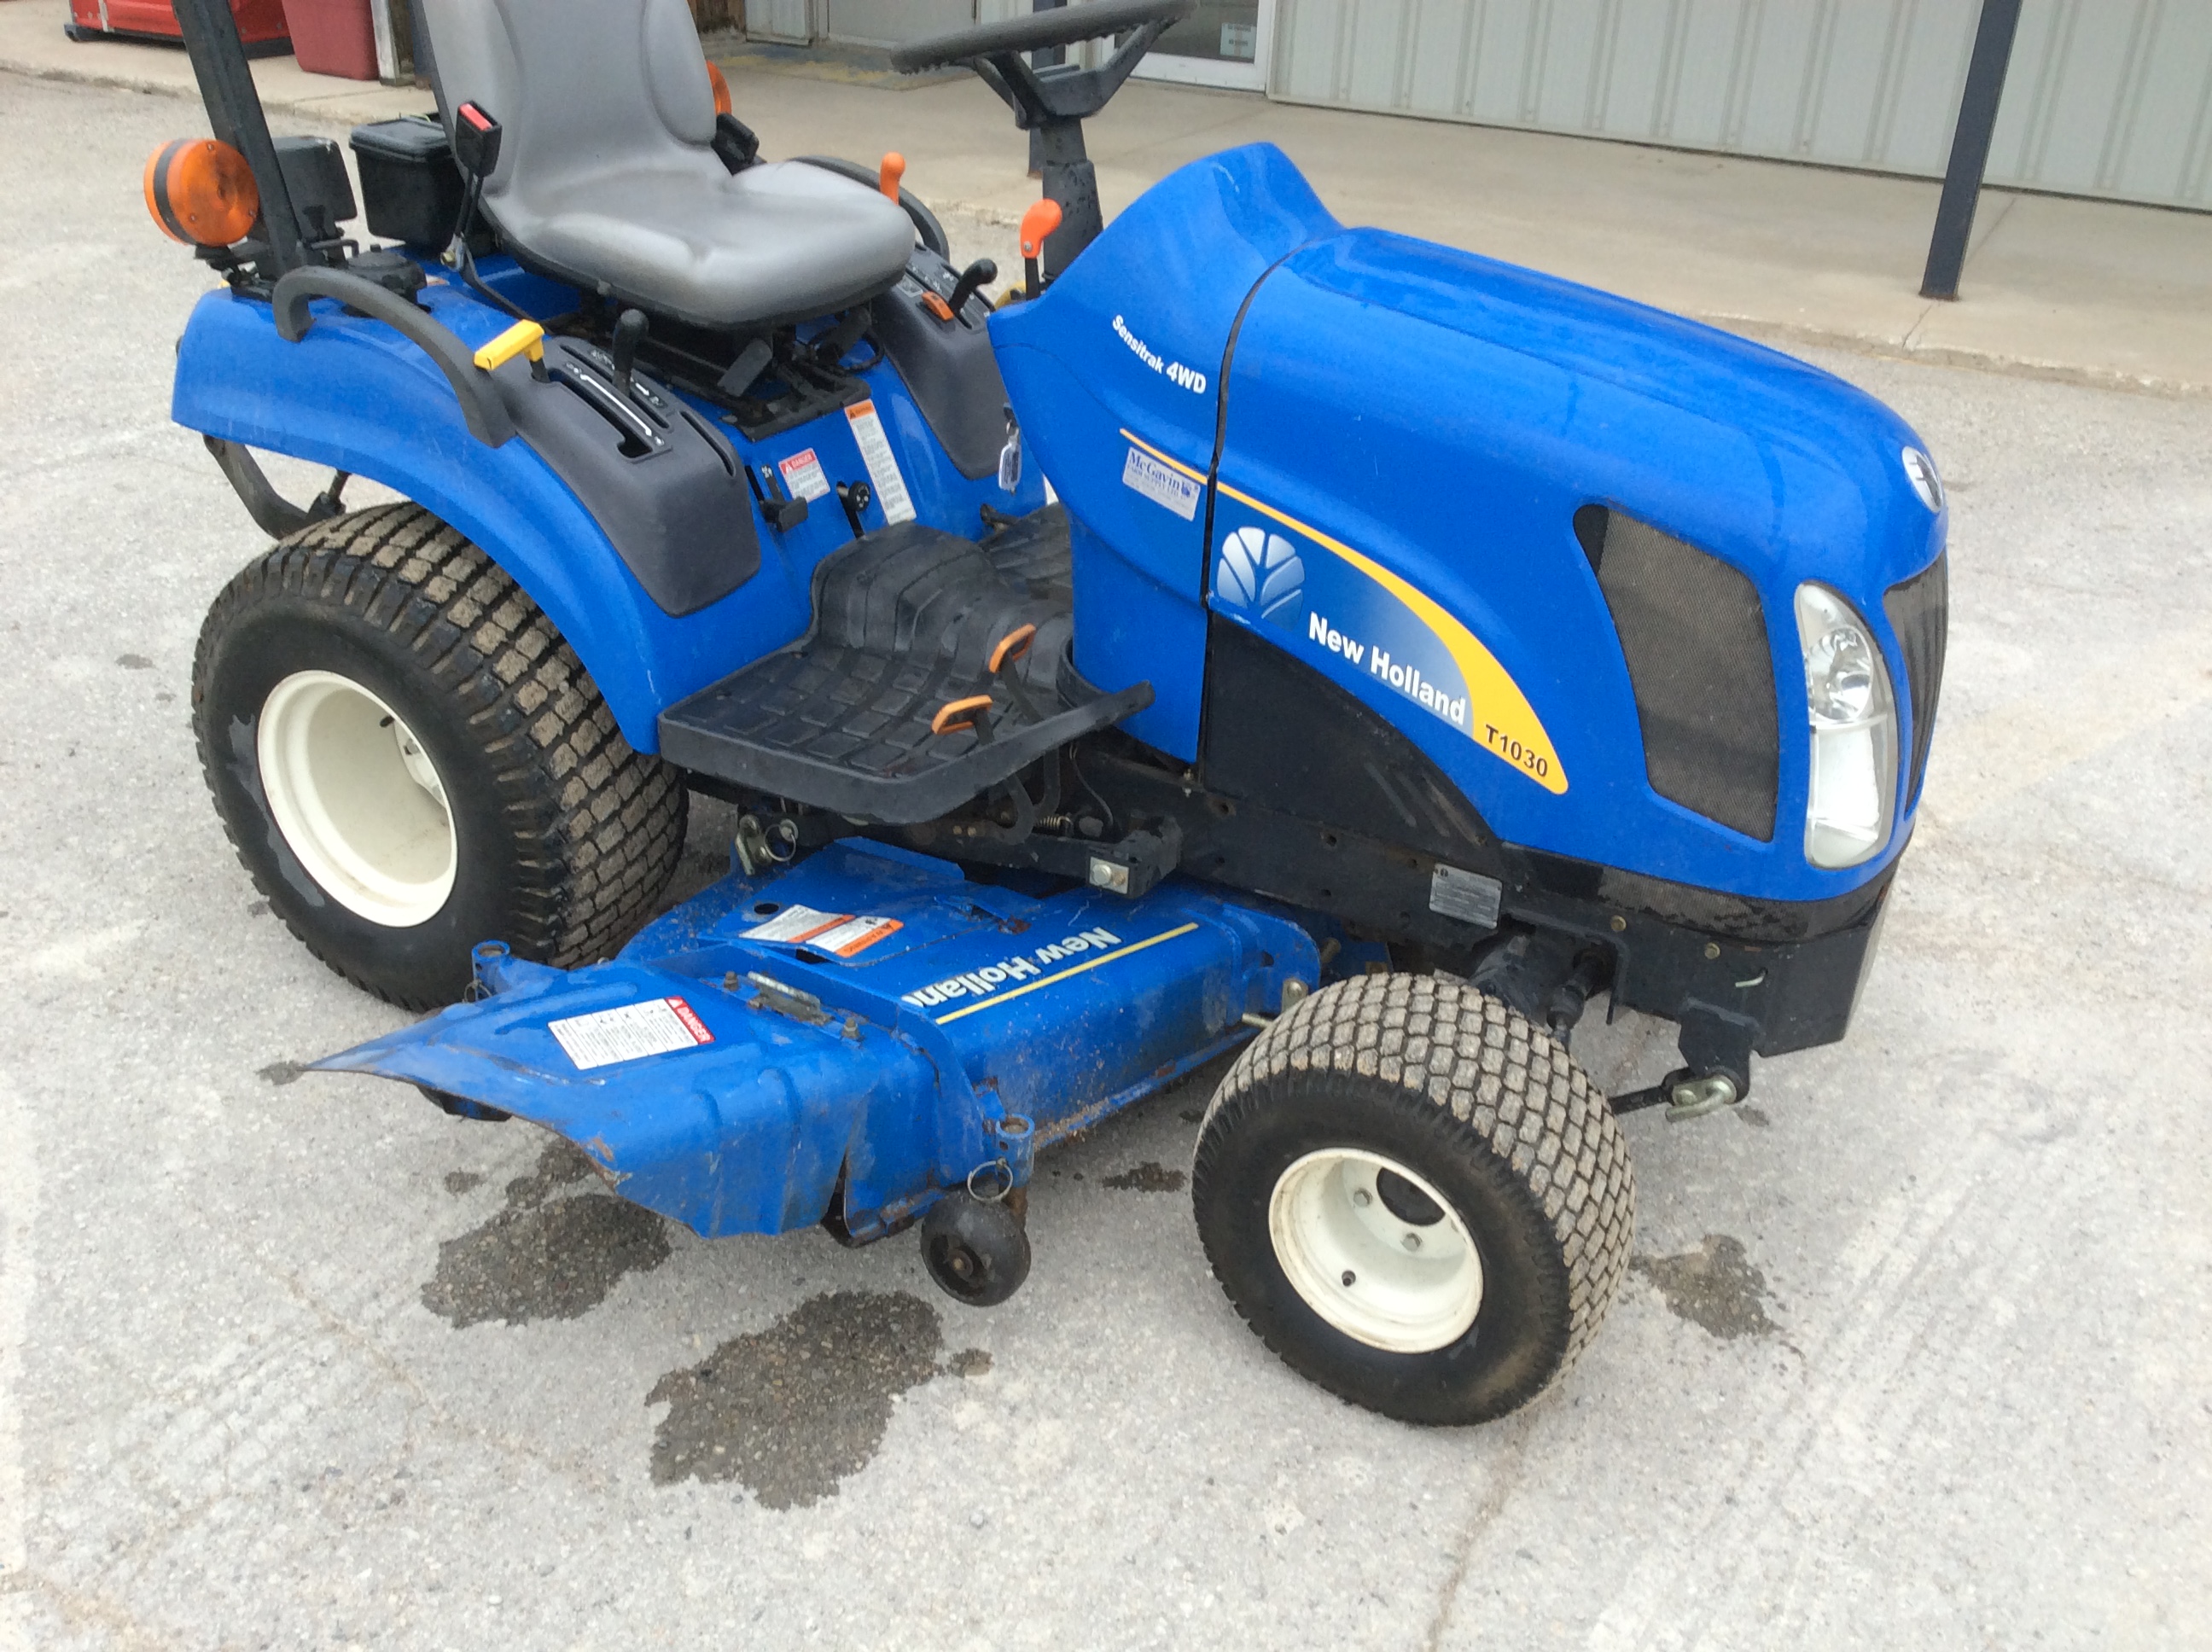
[{"x": 629, "y": 1032}]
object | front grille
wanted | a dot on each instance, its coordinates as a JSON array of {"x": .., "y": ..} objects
[
  {"x": 1694, "y": 635},
  {"x": 1919, "y": 611}
]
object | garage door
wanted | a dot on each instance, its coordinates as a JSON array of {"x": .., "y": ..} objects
[{"x": 2106, "y": 97}]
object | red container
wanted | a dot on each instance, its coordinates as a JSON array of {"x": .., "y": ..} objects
[
  {"x": 333, "y": 37},
  {"x": 260, "y": 22}
]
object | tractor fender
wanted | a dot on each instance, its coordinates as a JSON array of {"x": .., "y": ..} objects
[{"x": 356, "y": 395}]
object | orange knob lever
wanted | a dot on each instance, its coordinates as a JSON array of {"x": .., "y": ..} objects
[
  {"x": 1039, "y": 222},
  {"x": 888, "y": 175}
]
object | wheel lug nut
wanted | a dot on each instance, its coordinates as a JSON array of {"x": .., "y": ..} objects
[
  {"x": 1350, "y": 1277},
  {"x": 1359, "y": 1197},
  {"x": 1413, "y": 1242}
]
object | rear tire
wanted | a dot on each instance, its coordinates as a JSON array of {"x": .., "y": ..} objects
[
  {"x": 508, "y": 806},
  {"x": 1415, "y": 1198}
]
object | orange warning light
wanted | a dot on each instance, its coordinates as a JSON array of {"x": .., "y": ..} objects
[
  {"x": 202, "y": 192},
  {"x": 716, "y": 79}
]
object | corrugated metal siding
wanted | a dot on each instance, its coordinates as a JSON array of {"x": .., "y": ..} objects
[
  {"x": 890, "y": 23},
  {"x": 2106, "y": 97}
]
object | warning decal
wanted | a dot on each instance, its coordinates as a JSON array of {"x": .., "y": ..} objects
[
  {"x": 802, "y": 475},
  {"x": 837, "y": 932},
  {"x": 630, "y": 1032},
  {"x": 883, "y": 465}
]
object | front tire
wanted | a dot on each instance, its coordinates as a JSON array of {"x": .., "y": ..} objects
[
  {"x": 409, "y": 760},
  {"x": 1415, "y": 1198}
]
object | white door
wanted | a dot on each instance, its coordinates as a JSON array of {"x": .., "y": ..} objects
[{"x": 1224, "y": 43}]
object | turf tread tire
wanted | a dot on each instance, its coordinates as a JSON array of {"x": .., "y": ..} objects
[
  {"x": 596, "y": 828},
  {"x": 1516, "y": 1091}
]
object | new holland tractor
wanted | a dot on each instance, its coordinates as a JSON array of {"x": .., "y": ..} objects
[{"x": 1240, "y": 634}]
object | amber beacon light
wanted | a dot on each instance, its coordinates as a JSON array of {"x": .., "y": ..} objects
[{"x": 202, "y": 192}]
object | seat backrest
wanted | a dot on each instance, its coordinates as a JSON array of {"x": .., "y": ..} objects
[{"x": 579, "y": 86}]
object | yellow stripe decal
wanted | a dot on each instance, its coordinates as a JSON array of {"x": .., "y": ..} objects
[
  {"x": 1054, "y": 980},
  {"x": 1500, "y": 720}
]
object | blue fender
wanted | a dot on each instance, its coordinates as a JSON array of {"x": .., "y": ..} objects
[{"x": 354, "y": 395}]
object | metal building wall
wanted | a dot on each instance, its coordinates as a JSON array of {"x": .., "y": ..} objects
[{"x": 2106, "y": 97}]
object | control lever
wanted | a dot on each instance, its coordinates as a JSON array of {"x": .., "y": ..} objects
[
  {"x": 1011, "y": 649},
  {"x": 974, "y": 276},
  {"x": 972, "y": 713},
  {"x": 781, "y": 509},
  {"x": 1037, "y": 225},
  {"x": 856, "y": 497},
  {"x": 630, "y": 328}
]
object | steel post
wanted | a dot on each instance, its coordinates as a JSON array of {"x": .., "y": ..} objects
[{"x": 1970, "y": 147}]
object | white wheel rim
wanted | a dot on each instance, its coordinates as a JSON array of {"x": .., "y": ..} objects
[
  {"x": 1407, "y": 1287},
  {"x": 357, "y": 799}
]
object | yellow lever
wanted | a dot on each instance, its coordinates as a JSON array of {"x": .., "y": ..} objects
[{"x": 523, "y": 338}]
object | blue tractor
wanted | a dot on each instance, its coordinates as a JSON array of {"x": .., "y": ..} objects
[{"x": 1246, "y": 634}]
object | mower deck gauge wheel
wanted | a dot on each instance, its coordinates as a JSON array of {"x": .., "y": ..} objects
[{"x": 977, "y": 1250}]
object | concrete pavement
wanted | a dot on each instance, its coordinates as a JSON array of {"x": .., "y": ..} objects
[
  {"x": 2089, "y": 291},
  {"x": 1917, "y": 1350}
]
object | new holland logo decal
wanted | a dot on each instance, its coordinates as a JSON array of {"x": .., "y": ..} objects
[{"x": 1342, "y": 609}]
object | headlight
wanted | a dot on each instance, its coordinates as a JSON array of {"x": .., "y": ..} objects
[{"x": 1854, "y": 731}]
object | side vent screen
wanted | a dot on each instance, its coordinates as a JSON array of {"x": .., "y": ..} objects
[
  {"x": 1919, "y": 611},
  {"x": 1695, "y": 638}
]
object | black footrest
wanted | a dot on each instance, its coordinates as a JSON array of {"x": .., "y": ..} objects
[{"x": 905, "y": 621}]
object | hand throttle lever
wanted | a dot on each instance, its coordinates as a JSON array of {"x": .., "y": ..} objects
[
  {"x": 630, "y": 328},
  {"x": 974, "y": 276}
]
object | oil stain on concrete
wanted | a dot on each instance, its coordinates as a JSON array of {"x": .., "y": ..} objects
[
  {"x": 1715, "y": 1286},
  {"x": 791, "y": 1412},
  {"x": 544, "y": 1257},
  {"x": 1147, "y": 1178}
]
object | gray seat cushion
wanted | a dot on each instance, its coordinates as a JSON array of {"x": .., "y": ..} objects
[{"x": 607, "y": 173}]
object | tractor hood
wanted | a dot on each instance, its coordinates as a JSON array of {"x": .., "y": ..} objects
[{"x": 1556, "y": 536}]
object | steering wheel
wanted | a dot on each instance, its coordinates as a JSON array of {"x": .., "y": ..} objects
[
  {"x": 1043, "y": 30},
  {"x": 1053, "y": 102},
  {"x": 995, "y": 49}
]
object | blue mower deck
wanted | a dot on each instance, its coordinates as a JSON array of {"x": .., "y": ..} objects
[{"x": 870, "y": 1018}]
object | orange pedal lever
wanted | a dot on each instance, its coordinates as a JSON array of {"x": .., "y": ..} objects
[
  {"x": 1012, "y": 647},
  {"x": 956, "y": 715},
  {"x": 889, "y": 174},
  {"x": 1037, "y": 225}
]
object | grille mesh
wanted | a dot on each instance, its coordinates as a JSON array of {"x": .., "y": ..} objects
[
  {"x": 1694, "y": 634},
  {"x": 1919, "y": 611}
]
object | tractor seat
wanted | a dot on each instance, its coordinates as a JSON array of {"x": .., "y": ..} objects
[{"x": 607, "y": 178}]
